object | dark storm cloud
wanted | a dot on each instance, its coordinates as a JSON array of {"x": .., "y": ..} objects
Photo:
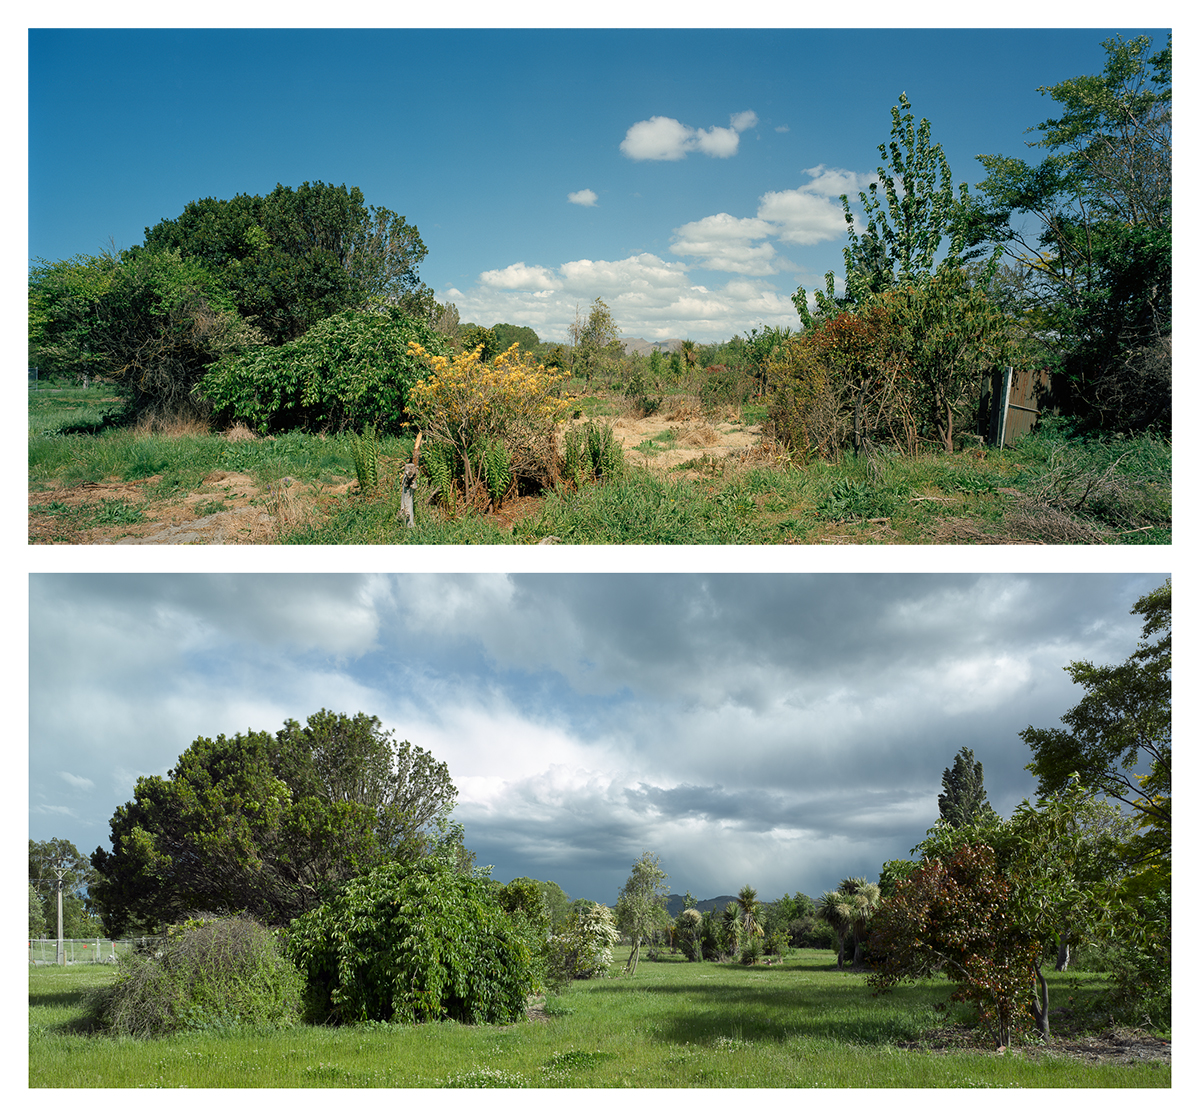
[{"x": 782, "y": 730}]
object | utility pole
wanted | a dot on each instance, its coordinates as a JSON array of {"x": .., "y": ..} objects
[{"x": 60, "y": 871}]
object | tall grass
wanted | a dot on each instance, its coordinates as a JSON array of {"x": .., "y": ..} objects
[{"x": 674, "y": 1024}]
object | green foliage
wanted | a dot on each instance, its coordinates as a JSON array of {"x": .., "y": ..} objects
[
  {"x": 297, "y": 256},
  {"x": 366, "y": 459},
  {"x": 79, "y": 918},
  {"x": 642, "y": 904},
  {"x": 581, "y": 946},
  {"x": 413, "y": 943},
  {"x": 903, "y": 233},
  {"x": 348, "y": 371},
  {"x": 268, "y": 823},
  {"x": 151, "y": 322},
  {"x": 594, "y": 341},
  {"x": 507, "y": 335},
  {"x": 989, "y": 896},
  {"x": 485, "y": 340},
  {"x": 963, "y": 797},
  {"x": 591, "y": 453},
  {"x": 1123, "y": 723},
  {"x": 1097, "y": 263},
  {"x": 208, "y": 974}
]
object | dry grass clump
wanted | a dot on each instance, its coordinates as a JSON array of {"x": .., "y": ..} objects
[
  {"x": 170, "y": 426},
  {"x": 239, "y": 432},
  {"x": 703, "y": 435}
]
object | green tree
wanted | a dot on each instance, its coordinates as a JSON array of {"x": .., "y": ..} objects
[
  {"x": 947, "y": 334},
  {"x": 862, "y": 898},
  {"x": 300, "y": 255},
  {"x": 989, "y": 896},
  {"x": 78, "y": 880},
  {"x": 904, "y": 230},
  {"x": 1097, "y": 254},
  {"x": 507, "y": 335},
  {"x": 37, "y": 914},
  {"x": 151, "y": 322},
  {"x": 642, "y": 904},
  {"x": 1117, "y": 740},
  {"x": 963, "y": 799},
  {"x": 478, "y": 337},
  {"x": 269, "y": 824},
  {"x": 836, "y": 909},
  {"x": 411, "y": 943},
  {"x": 581, "y": 947},
  {"x": 350, "y": 371},
  {"x": 595, "y": 340}
]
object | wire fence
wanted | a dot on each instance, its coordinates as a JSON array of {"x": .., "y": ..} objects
[{"x": 44, "y": 952}]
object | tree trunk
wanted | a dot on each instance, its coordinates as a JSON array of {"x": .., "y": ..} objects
[
  {"x": 1041, "y": 1011},
  {"x": 1064, "y": 953}
]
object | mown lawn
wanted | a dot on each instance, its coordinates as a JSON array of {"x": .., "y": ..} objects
[{"x": 672, "y": 1025}]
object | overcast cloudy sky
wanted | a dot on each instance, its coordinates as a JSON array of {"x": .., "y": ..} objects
[
  {"x": 689, "y": 177},
  {"x": 779, "y": 730}
]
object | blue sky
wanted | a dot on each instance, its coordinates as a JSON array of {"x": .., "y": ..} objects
[
  {"x": 687, "y": 177},
  {"x": 784, "y": 731}
]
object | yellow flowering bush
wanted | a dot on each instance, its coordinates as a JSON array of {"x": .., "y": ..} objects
[{"x": 494, "y": 419}]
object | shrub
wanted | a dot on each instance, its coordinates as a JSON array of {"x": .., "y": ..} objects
[
  {"x": 210, "y": 972},
  {"x": 348, "y": 371},
  {"x": 582, "y": 947},
  {"x": 497, "y": 418},
  {"x": 590, "y": 452},
  {"x": 410, "y": 943}
]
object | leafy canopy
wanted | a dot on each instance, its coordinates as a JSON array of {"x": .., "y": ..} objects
[{"x": 269, "y": 824}]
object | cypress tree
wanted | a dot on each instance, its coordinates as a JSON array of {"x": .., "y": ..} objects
[{"x": 964, "y": 800}]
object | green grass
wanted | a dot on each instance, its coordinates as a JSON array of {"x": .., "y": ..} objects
[
  {"x": 798, "y": 1024},
  {"x": 1050, "y": 488}
]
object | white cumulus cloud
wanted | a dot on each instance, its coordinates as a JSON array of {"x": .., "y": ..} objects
[
  {"x": 663, "y": 138},
  {"x": 727, "y": 243},
  {"x": 582, "y": 197},
  {"x": 519, "y": 277}
]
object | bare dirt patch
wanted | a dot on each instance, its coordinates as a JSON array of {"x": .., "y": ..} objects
[
  {"x": 666, "y": 442},
  {"x": 227, "y": 508}
]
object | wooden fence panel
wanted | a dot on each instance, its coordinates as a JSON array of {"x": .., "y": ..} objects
[{"x": 1023, "y": 391}]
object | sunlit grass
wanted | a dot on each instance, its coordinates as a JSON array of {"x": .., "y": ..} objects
[{"x": 674, "y": 1024}]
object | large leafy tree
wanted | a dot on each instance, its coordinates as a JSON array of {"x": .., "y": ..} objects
[
  {"x": 268, "y": 823},
  {"x": 1097, "y": 253},
  {"x": 642, "y": 904},
  {"x": 1117, "y": 740},
  {"x": 299, "y": 255},
  {"x": 963, "y": 799}
]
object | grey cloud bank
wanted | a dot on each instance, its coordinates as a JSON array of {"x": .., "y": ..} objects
[{"x": 777, "y": 730}]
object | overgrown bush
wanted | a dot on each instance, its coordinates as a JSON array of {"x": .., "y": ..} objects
[
  {"x": 410, "y": 943},
  {"x": 209, "y": 972},
  {"x": 497, "y": 418},
  {"x": 348, "y": 371}
]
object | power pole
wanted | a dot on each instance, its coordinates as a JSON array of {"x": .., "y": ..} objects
[{"x": 60, "y": 871}]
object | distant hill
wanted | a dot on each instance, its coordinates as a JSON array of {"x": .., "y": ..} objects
[
  {"x": 641, "y": 345},
  {"x": 675, "y": 904}
]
